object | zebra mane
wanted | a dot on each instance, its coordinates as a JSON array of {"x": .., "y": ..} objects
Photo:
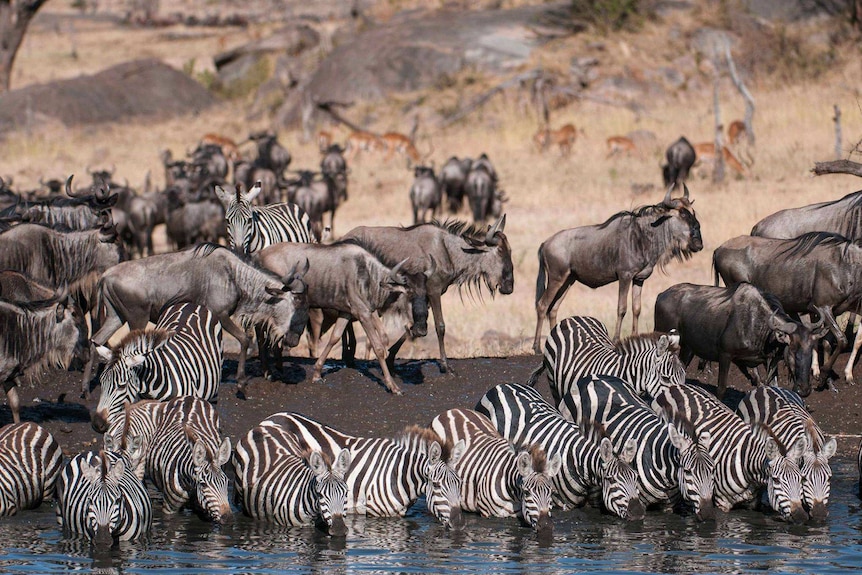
[
  {"x": 629, "y": 344},
  {"x": 593, "y": 430},
  {"x": 141, "y": 342},
  {"x": 539, "y": 457},
  {"x": 327, "y": 459},
  {"x": 767, "y": 431},
  {"x": 426, "y": 435},
  {"x": 684, "y": 425},
  {"x": 814, "y": 433}
]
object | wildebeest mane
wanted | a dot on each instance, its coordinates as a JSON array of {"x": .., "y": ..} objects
[
  {"x": 636, "y": 213},
  {"x": 33, "y": 320},
  {"x": 806, "y": 243}
]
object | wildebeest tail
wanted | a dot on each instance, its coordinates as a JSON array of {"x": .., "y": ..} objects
[
  {"x": 714, "y": 270},
  {"x": 534, "y": 376},
  {"x": 542, "y": 278}
]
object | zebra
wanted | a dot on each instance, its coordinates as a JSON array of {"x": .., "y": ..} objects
[
  {"x": 745, "y": 462},
  {"x": 580, "y": 346},
  {"x": 183, "y": 453},
  {"x": 498, "y": 478},
  {"x": 386, "y": 476},
  {"x": 520, "y": 414},
  {"x": 252, "y": 228},
  {"x": 30, "y": 458},
  {"x": 99, "y": 496},
  {"x": 672, "y": 466},
  {"x": 273, "y": 483},
  {"x": 181, "y": 356},
  {"x": 784, "y": 415}
]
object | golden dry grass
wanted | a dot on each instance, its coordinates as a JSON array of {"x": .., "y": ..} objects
[{"x": 547, "y": 193}]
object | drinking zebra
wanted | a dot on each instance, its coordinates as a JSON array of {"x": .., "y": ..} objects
[
  {"x": 673, "y": 466},
  {"x": 273, "y": 483},
  {"x": 252, "y": 228},
  {"x": 181, "y": 356},
  {"x": 498, "y": 478},
  {"x": 783, "y": 414},
  {"x": 745, "y": 463},
  {"x": 184, "y": 453},
  {"x": 386, "y": 476},
  {"x": 579, "y": 346},
  {"x": 520, "y": 414},
  {"x": 99, "y": 496},
  {"x": 30, "y": 458}
]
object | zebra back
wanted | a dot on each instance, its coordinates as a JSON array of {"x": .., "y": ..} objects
[
  {"x": 386, "y": 476},
  {"x": 499, "y": 478},
  {"x": 671, "y": 468},
  {"x": 99, "y": 496},
  {"x": 580, "y": 346},
  {"x": 276, "y": 484},
  {"x": 745, "y": 463},
  {"x": 30, "y": 458},
  {"x": 181, "y": 356},
  {"x": 783, "y": 414}
]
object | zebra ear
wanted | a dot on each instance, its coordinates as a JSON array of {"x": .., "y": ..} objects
[
  {"x": 91, "y": 473},
  {"x": 434, "y": 453},
  {"x": 629, "y": 451},
  {"x": 116, "y": 471},
  {"x": 134, "y": 360},
  {"x": 606, "y": 450},
  {"x": 104, "y": 352},
  {"x": 772, "y": 451},
  {"x": 253, "y": 192},
  {"x": 135, "y": 449},
  {"x": 199, "y": 453},
  {"x": 525, "y": 463},
  {"x": 457, "y": 453},
  {"x": 705, "y": 440},
  {"x": 223, "y": 196},
  {"x": 554, "y": 465},
  {"x": 342, "y": 463},
  {"x": 111, "y": 443},
  {"x": 223, "y": 452},
  {"x": 829, "y": 448},
  {"x": 316, "y": 463},
  {"x": 662, "y": 345},
  {"x": 799, "y": 447},
  {"x": 679, "y": 440}
]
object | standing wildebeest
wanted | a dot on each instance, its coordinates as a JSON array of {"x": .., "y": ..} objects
[
  {"x": 480, "y": 188},
  {"x": 348, "y": 279},
  {"x": 815, "y": 273},
  {"x": 680, "y": 158},
  {"x": 451, "y": 253},
  {"x": 741, "y": 325},
  {"x": 842, "y": 217},
  {"x": 626, "y": 248},
  {"x": 214, "y": 277},
  {"x": 425, "y": 194},
  {"x": 33, "y": 335},
  {"x": 78, "y": 210},
  {"x": 453, "y": 177},
  {"x": 270, "y": 153},
  {"x": 317, "y": 197}
]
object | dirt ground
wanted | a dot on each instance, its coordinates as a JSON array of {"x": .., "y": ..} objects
[{"x": 355, "y": 401}]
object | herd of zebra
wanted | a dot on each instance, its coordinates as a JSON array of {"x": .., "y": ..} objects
[{"x": 625, "y": 430}]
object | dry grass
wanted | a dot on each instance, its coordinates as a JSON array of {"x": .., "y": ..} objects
[{"x": 546, "y": 193}]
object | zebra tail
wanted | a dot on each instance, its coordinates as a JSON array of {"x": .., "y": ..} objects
[
  {"x": 534, "y": 376},
  {"x": 542, "y": 278}
]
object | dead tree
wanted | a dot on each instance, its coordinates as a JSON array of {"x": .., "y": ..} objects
[
  {"x": 746, "y": 95},
  {"x": 15, "y": 16},
  {"x": 837, "y": 119},
  {"x": 718, "y": 169}
]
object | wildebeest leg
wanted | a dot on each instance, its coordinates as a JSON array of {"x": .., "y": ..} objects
[
  {"x": 348, "y": 346},
  {"x": 11, "y": 387},
  {"x": 825, "y": 312},
  {"x": 315, "y": 324},
  {"x": 337, "y": 329},
  {"x": 377, "y": 336},
  {"x": 549, "y": 302},
  {"x": 440, "y": 326},
  {"x": 637, "y": 286},
  {"x": 393, "y": 349},
  {"x": 848, "y": 369},
  {"x": 723, "y": 371},
  {"x": 263, "y": 350},
  {"x": 622, "y": 306},
  {"x": 752, "y": 379},
  {"x": 243, "y": 339}
]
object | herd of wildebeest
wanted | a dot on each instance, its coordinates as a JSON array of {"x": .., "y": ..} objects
[{"x": 251, "y": 255}]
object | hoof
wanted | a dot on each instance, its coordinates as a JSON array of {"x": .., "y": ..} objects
[
  {"x": 240, "y": 394},
  {"x": 317, "y": 379}
]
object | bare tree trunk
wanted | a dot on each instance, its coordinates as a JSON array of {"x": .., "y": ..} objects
[
  {"x": 837, "y": 120},
  {"x": 837, "y": 167},
  {"x": 746, "y": 95},
  {"x": 15, "y": 16},
  {"x": 718, "y": 170}
]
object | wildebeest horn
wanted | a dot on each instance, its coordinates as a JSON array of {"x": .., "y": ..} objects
[
  {"x": 69, "y": 192},
  {"x": 431, "y": 268},
  {"x": 396, "y": 270},
  {"x": 667, "y": 199},
  {"x": 492, "y": 231},
  {"x": 685, "y": 190},
  {"x": 777, "y": 324}
]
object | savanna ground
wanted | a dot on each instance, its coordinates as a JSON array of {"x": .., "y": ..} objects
[{"x": 546, "y": 193}]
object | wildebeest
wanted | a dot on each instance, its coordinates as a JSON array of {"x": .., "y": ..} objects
[
  {"x": 214, "y": 277},
  {"x": 333, "y": 161},
  {"x": 16, "y": 287},
  {"x": 680, "y": 158},
  {"x": 348, "y": 279},
  {"x": 425, "y": 193},
  {"x": 33, "y": 335},
  {"x": 458, "y": 254},
  {"x": 270, "y": 153},
  {"x": 78, "y": 210},
  {"x": 193, "y": 222},
  {"x": 842, "y": 217},
  {"x": 739, "y": 325},
  {"x": 453, "y": 177},
  {"x": 818, "y": 273},
  {"x": 317, "y": 197},
  {"x": 480, "y": 189},
  {"x": 626, "y": 249}
]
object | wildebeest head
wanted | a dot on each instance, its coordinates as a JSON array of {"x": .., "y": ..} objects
[
  {"x": 498, "y": 272},
  {"x": 681, "y": 223},
  {"x": 801, "y": 342},
  {"x": 410, "y": 288}
]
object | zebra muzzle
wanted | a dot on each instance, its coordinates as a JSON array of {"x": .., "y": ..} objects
[
  {"x": 635, "y": 510},
  {"x": 819, "y": 512},
  {"x": 544, "y": 525},
  {"x": 99, "y": 421},
  {"x": 798, "y": 514},
  {"x": 705, "y": 510},
  {"x": 456, "y": 518},
  {"x": 337, "y": 528}
]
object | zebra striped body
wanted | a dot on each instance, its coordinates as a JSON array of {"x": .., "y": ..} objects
[
  {"x": 580, "y": 346},
  {"x": 498, "y": 478},
  {"x": 783, "y": 414},
  {"x": 745, "y": 463},
  {"x": 184, "y": 453},
  {"x": 98, "y": 496},
  {"x": 671, "y": 467},
  {"x": 386, "y": 476},
  {"x": 273, "y": 483},
  {"x": 252, "y": 228},
  {"x": 522, "y": 415},
  {"x": 30, "y": 458},
  {"x": 181, "y": 356}
]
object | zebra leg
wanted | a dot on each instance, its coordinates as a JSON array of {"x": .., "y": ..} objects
[
  {"x": 637, "y": 286},
  {"x": 334, "y": 336}
]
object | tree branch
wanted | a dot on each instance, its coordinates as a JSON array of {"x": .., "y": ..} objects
[{"x": 837, "y": 167}]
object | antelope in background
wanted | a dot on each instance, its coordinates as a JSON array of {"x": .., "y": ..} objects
[
  {"x": 619, "y": 145},
  {"x": 563, "y": 137}
]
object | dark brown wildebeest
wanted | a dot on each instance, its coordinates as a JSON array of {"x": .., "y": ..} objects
[
  {"x": 270, "y": 153},
  {"x": 425, "y": 194},
  {"x": 739, "y": 325},
  {"x": 33, "y": 335},
  {"x": 680, "y": 158},
  {"x": 626, "y": 249},
  {"x": 348, "y": 279},
  {"x": 214, "y": 277},
  {"x": 453, "y": 177},
  {"x": 317, "y": 197},
  {"x": 816, "y": 273},
  {"x": 451, "y": 253},
  {"x": 481, "y": 191},
  {"x": 78, "y": 210},
  {"x": 842, "y": 217},
  {"x": 16, "y": 287}
]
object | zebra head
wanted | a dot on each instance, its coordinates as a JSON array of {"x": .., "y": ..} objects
[
  {"x": 131, "y": 448},
  {"x": 211, "y": 480},
  {"x": 536, "y": 474},
  {"x": 120, "y": 381},
  {"x": 784, "y": 480},
  {"x": 443, "y": 484},
  {"x": 816, "y": 479},
  {"x": 620, "y": 492},
  {"x": 668, "y": 367},
  {"x": 239, "y": 216},
  {"x": 696, "y": 473},
  {"x": 330, "y": 490},
  {"x": 104, "y": 498}
]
